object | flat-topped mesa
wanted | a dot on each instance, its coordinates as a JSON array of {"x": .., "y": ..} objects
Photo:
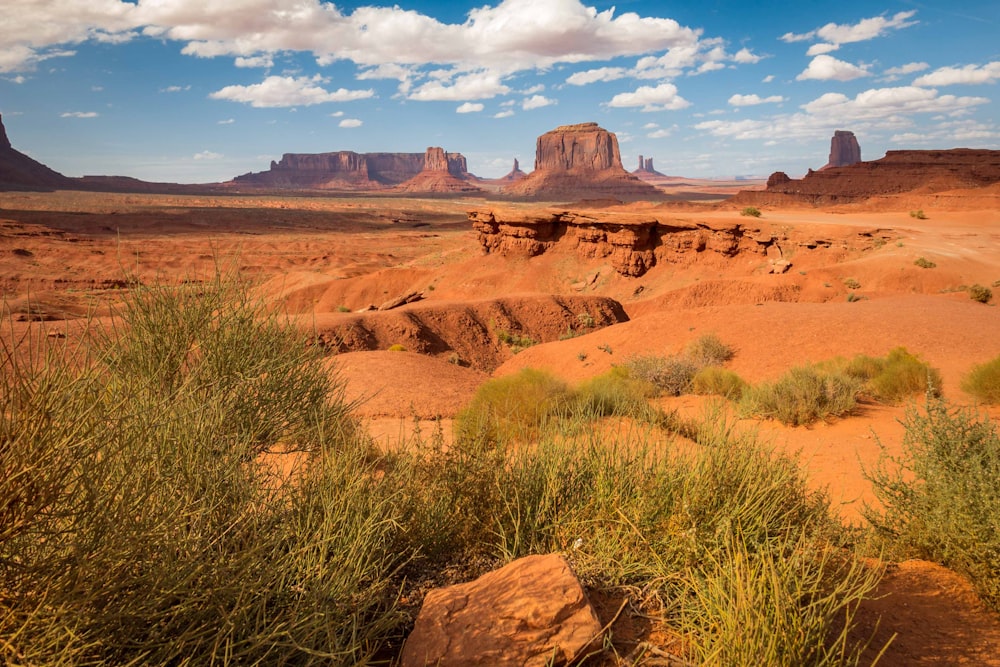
[
  {"x": 442, "y": 172},
  {"x": 844, "y": 150},
  {"x": 580, "y": 159}
]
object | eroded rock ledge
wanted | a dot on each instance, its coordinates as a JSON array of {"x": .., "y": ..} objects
[{"x": 633, "y": 243}]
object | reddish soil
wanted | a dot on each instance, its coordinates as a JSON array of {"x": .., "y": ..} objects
[{"x": 64, "y": 255}]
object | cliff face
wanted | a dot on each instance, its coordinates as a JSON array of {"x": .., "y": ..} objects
[
  {"x": 442, "y": 172},
  {"x": 350, "y": 170},
  {"x": 583, "y": 160},
  {"x": 18, "y": 171},
  {"x": 898, "y": 172},
  {"x": 844, "y": 150},
  {"x": 632, "y": 243}
]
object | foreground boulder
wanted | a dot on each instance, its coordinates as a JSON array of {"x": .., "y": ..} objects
[{"x": 531, "y": 612}]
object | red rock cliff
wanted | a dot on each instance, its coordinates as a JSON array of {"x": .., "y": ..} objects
[{"x": 844, "y": 150}]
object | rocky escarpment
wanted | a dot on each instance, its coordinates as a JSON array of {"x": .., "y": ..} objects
[
  {"x": 580, "y": 160},
  {"x": 349, "y": 170},
  {"x": 899, "y": 172},
  {"x": 442, "y": 172},
  {"x": 844, "y": 150},
  {"x": 17, "y": 170},
  {"x": 632, "y": 243}
]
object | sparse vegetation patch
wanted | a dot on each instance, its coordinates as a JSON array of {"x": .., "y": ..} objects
[
  {"x": 924, "y": 263},
  {"x": 983, "y": 382},
  {"x": 751, "y": 211},
  {"x": 980, "y": 293}
]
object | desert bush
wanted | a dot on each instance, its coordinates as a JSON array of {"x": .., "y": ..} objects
[
  {"x": 941, "y": 497},
  {"x": 980, "y": 293},
  {"x": 803, "y": 395},
  {"x": 892, "y": 378},
  {"x": 918, "y": 214},
  {"x": 397, "y": 347},
  {"x": 516, "y": 342},
  {"x": 852, "y": 283},
  {"x": 716, "y": 381},
  {"x": 983, "y": 381},
  {"x": 614, "y": 394},
  {"x": 924, "y": 263},
  {"x": 513, "y": 408},
  {"x": 708, "y": 350},
  {"x": 139, "y": 521},
  {"x": 751, "y": 211},
  {"x": 671, "y": 375}
]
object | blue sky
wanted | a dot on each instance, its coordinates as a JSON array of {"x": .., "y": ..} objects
[{"x": 203, "y": 90}]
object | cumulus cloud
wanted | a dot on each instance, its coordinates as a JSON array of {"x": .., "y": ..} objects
[
  {"x": 79, "y": 114},
  {"x": 470, "y": 107},
  {"x": 474, "y": 86},
  {"x": 663, "y": 97},
  {"x": 287, "y": 91},
  {"x": 767, "y": 79},
  {"x": 504, "y": 114},
  {"x": 753, "y": 100},
  {"x": 536, "y": 102},
  {"x": 827, "y": 68},
  {"x": 662, "y": 133},
  {"x": 265, "y": 61},
  {"x": 835, "y": 34},
  {"x": 970, "y": 74},
  {"x": 175, "y": 89},
  {"x": 903, "y": 70},
  {"x": 821, "y": 48},
  {"x": 228, "y": 121},
  {"x": 350, "y": 122},
  {"x": 594, "y": 75},
  {"x": 746, "y": 57},
  {"x": 207, "y": 155}
]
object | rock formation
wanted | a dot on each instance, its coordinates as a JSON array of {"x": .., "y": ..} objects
[
  {"x": 532, "y": 612},
  {"x": 583, "y": 159},
  {"x": 515, "y": 174},
  {"x": 646, "y": 168},
  {"x": 844, "y": 150},
  {"x": 442, "y": 172},
  {"x": 18, "y": 171},
  {"x": 896, "y": 173},
  {"x": 351, "y": 171}
]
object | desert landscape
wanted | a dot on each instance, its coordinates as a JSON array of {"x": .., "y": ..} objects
[{"x": 420, "y": 284}]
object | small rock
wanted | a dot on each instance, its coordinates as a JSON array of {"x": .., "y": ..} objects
[{"x": 531, "y": 612}]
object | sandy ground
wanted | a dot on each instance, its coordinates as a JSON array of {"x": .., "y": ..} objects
[{"x": 64, "y": 256}]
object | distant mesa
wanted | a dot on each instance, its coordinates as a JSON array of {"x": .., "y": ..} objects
[
  {"x": 844, "y": 150},
  {"x": 347, "y": 170},
  {"x": 18, "y": 171},
  {"x": 442, "y": 172},
  {"x": 582, "y": 159},
  {"x": 646, "y": 168}
]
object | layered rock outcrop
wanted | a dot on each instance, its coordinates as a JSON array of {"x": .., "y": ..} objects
[
  {"x": 351, "y": 171},
  {"x": 18, "y": 171},
  {"x": 632, "y": 243},
  {"x": 844, "y": 150},
  {"x": 899, "y": 172},
  {"x": 582, "y": 159},
  {"x": 442, "y": 172}
]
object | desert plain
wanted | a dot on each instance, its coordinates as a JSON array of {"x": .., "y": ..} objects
[{"x": 330, "y": 262}]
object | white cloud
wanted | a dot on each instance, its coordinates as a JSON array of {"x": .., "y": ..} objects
[
  {"x": 821, "y": 48},
  {"x": 826, "y": 68},
  {"x": 351, "y": 122},
  {"x": 336, "y": 114},
  {"x": 753, "y": 100},
  {"x": 228, "y": 121},
  {"x": 660, "y": 134},
  {"x": 265, "y": 61},
  {"x": 16, "y": 79},
  {"x": 534, "y": 89},
  {"x": 595, "y": 75},
  {"x": 536, "y": 102},
  {"x": 207, "y": 155},
  {"x": 175, "y": 89},
  {"x": 470, "y": 107},
  {"x": 970, "y": 74},
  {"x": 79, "y": 114},
  {"x": 287, "y": 91},
  {"x": 909, "y": 68},
  {"x": 663, "y": 97},
  {"x": 504, "y": 114},
  {"x": 834, "y": 34},
  {"x": 746, "y": 57},
  {"x": 650, "y": 126},
  {"x": 882, "y": 102},
  {"x": 474, "y": 86},
  {"x": 767, "y": 79}
]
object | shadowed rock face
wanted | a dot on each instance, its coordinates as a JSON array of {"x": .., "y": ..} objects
[
  {"x": 580, "y": 159},
  {"x": 844, "y": 150},
  {"x": 17, "y": 170}
]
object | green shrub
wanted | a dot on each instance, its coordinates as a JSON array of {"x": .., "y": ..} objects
[
  {"x": 614, "y": 394},
  {"x": 852, "y": 283},
  {"x": 708, "y": 350},
  {"x": 980, "y": 293},
  {"x": 918, "y": 214},
  {"x": 516, "y": 342},
  {"x": 802, "y": 396},
  {"x": 671, "y": 375},
  {"x": 716, "y": 381},
  {"x": 924, "y": 263},
  {"x": 513, "y": 408},
  {"x": 751, "y": 211},
  {"x": 895, "y": 377},
  {"x": 941, "y": 497},
  {"x": 983, "y": 381}
]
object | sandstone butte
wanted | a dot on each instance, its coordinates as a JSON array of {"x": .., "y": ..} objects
[
  {"x": 580, "y": 160},
  {"x": 844, "y": 150},
  {"x": 442, "y": 172}
]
